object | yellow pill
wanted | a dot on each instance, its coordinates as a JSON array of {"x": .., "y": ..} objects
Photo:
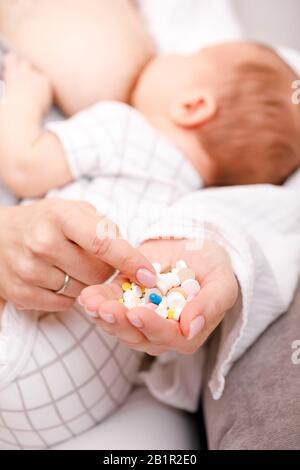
[
  {"x": 121, "y": 301},
  {"x": 171, "y": 314},
  {"x": 143, "y": 289},
  {"x": 126, "y": 286}
]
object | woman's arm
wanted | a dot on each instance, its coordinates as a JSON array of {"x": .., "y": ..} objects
[{"x": 259, "y": 228}]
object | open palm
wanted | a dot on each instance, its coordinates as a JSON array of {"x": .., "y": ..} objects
[{"x": 141, "y": 328}]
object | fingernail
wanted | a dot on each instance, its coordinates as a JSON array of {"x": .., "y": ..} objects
[
  {"x": 151, "y": 306},
  {"x": 196, "y": 327},
  {"x": 135, "y": 321},
  {"x": 80, "y": 301},
  {"x": 108, "y": 318},
  {"x": 91, "y": 314},
  {"x": 146, "y": 278}
]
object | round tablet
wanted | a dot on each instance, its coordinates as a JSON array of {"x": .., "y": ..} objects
[
  {"x": 176, "y": 301},
  {"x": 190, "y": 287}
]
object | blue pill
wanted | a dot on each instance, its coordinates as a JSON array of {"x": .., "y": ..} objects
[{"x": 155, "y": 299}]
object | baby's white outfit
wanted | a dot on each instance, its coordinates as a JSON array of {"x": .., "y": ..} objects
[{"x": 59, "y": 374}]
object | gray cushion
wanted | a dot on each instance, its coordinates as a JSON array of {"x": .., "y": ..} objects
[{"x": 260, "y": 407}]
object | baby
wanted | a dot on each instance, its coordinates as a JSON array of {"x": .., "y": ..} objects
[
  {"x": 184, "y": 127},
  {"x": 209, "y": 118}
]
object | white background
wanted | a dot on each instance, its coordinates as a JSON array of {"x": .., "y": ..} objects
[{"x": 275, "y": 21}]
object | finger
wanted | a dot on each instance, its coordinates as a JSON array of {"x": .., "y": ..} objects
[
  {"x": 45, "y": 241},
  {"x": 155, "y": 351},
  {"x": 157, "y": 330},
  {"x": 90, "y": 233},
  {"x": 40, "y": 299},
  {"x": 146, "y": 348},
  {"x": 41, "y": 274},
  {"x": 93, "y": 297},
  {"x": 90, "y": 292},
  {"x": 10, "y": 62},
  {"x": 112, "y": 311},
  {"x": 82, "y": 266},
  {"x": 73, "y": 289},
  {"x": 204, "y": 313}
]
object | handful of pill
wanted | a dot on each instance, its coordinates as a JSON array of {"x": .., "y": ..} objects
[{"x": 174, "y": 288}]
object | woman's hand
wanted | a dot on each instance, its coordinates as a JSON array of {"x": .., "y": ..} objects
[
  {"x": 142, "y": 329},
  {"x": 42, "y": 242}
]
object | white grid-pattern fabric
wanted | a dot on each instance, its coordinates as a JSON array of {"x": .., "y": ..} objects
[
  {"x": 59, "y": 375},
  {"x": 123, "y": 166},
  {"x": 74, "y": 378}
]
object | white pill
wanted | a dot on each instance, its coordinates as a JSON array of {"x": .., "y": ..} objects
[
  {"x": 130, "y": 300},
  {"x": 176, "y": 301},
  {"x": 181, "y": 265},
  {"x": 136, "y": 290},
  {"x": 177, "y": 314},
  {"x": 172, "y": 280},
  {"x": 190, "y": 287},
  {"x": 157, "y": 267},
  {"x": 162, "y": 309},
  {"x": 162, "y": 285}
]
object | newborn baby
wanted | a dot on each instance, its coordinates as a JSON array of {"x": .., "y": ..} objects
[{"x": 209, "y": 119}]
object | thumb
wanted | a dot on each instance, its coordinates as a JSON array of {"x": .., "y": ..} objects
[
  {"x": 203, "y": 314},
  {"x": 84, "y": 229},
  {"x": 128, "y": 260}
]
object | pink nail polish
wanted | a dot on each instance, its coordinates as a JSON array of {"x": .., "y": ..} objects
[
  {"x": 80, "y": 301},
  {"x": 196, "y": 327},
  {"x": 146, "y": 278},
  {"x": 91, "y": 314},
  {"x": 135, "y": 321},
  {"x": 108, "y": 318}
]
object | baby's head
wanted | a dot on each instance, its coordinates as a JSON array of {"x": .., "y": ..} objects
[{"x": 230, "y": 110}]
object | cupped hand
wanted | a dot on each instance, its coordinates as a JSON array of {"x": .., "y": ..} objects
[{"x": 142, "y": 329}]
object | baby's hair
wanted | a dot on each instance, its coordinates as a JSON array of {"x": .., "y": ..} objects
[{"x": 253, "y": 137}]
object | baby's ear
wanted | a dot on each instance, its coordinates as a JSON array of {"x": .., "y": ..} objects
[{"x": 193, "y": 108}]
